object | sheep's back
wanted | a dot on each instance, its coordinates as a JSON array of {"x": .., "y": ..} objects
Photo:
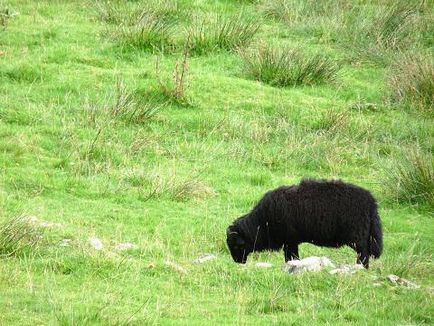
[{"x": 327, "y": 213}]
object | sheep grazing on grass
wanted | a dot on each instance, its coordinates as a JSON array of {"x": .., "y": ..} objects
[{"x": 324, "y": 213}]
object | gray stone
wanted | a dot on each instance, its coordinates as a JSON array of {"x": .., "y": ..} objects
[
  {"x": 396, "y": 280},
  {"x": 309, "y": 264},
  {"x": 96, "y": 243}
]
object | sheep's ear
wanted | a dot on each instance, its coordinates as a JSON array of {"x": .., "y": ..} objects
[{"x": 231, "y": 230}]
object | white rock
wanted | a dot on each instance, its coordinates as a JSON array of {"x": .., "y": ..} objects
[
  {"x": 309, "y": 264},
  {"x": 204, "y": 258},
  {"x": 96, "y": 243},
  {"x": 263, "y": 265},
  {"x": 125, "y": 246}
]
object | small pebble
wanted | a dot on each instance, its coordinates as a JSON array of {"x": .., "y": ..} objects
[
  {"x": 204, "y": 258},
  {"x": 346, "y": 269},
  {"x": 125, "y": 246},
  {"x": 263, "y": 265},
  {"x": 96, "y": 243},
  {"x": 64, "y": 243}
]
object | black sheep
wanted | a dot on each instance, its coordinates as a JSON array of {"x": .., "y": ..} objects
[{"x": 324, "y": 213}]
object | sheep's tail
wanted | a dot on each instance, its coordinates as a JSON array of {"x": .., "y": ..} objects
[{"x": 376, "y": 236}]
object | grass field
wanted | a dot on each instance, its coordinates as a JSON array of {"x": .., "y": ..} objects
[{"x": 160, "y": 122}]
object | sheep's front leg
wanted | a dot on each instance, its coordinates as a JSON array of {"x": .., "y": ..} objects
[{"x": 291, "y": 251}]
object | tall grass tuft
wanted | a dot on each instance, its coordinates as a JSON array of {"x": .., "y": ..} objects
[
  {"x": 172, "y": 186},
  {"x": 411, "y": 82},
  {"x": 167, "y": 9},
  {"x": 129, "y": 107},
  {"x": 392, "y": 26},
  {"x": 375, "y": 35},
  {"x": 291, "y": 11},
  {"x": 175, "y": 89},
  {"x": 112, "y": 12},
  {"x": 18, "y": 236},
  {"x": 283, "y": 66},
  {"x": 412, "y": 179},
  {"x": 121, "y": 12},
  {"x": 147, "y": 30},
  {"x": 227, "y": 33},
  {"x": 332, "y": 122},
  {"x": 5, "y": 15}
]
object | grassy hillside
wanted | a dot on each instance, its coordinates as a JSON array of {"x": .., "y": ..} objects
[{"x": 160, "y": 122}]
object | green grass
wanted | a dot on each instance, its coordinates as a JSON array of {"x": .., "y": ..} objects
[{"x": 88, "y": 144}]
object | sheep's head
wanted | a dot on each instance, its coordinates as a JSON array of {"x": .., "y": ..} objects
[{"x": 238, "y": 245}]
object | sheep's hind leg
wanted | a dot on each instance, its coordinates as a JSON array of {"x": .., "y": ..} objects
[
  {"x": 363, "y": 257},
  {"x": 291, "y": 252}
]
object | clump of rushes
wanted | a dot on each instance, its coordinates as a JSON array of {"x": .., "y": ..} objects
[
  {"x": 278, "y": 9},
  {"x": 412, "y": 179},
  {"x": 147, "y": 30},
  {"x": 111, "y": 12},
  {"x": 296, "y": 10},
  {"x": 5, "y": 15},
  {"x": 18, "y": 236},
  {"x": 377, "y": 35},
  {"x": 392, "y": 26},
  {"x": 175, "y": 89},
  {"x": 411, "y": 82},
  {"x": 129, "y": 107},
  {"x": 179, "y": 190},
  {"x": 283, "y": 66},
  {"x": 219, "y": 32},
  {"x": 120, "y": 12},
  {"x": 169, "y": 184},
  {"x": 168, "y": 9},
  {"x": 332, "y": 122}
]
